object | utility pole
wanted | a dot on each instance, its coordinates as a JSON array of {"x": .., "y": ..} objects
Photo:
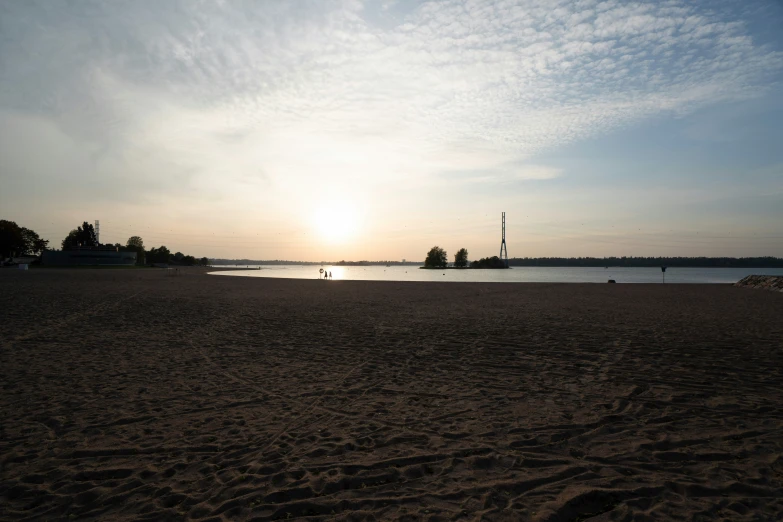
[{"x": 503, "y": 251}]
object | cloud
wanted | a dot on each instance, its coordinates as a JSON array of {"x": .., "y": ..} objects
[
  {"x": 296, "y": 89},
  {"x": 502, "y": 174}
]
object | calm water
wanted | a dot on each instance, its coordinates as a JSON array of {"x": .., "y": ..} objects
[{"x": 512, "y": 275}]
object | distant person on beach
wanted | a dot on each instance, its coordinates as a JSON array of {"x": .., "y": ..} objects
[{"x": 330, "y": 275}]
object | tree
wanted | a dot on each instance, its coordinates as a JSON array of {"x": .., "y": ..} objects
[
  {"x": 204, "y": 261},
  {"x": 33, "y": 243},
  {"x": 11, "y": 239},
  {"x": 19, "y": 241},
  {"x": 136, "y": 244},
  {"x": 461, "y": 258},
  {"x": 159, "y": 255},
  {"x": 178, "y": 257},
  {"x": 436, "y": 258},
  {"x": 71, "y": 240},
  {"x": 83, "y": 236}
]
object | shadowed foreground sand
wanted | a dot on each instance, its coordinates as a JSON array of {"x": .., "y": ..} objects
[{"x": 129, "y": 395}]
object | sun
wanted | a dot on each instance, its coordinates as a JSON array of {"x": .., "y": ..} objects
[{"x": 336, "y": 221}]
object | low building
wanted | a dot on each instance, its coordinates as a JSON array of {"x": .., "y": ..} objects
[
  {"x": 23, "y": 260},
  {"x": 89, "y": 256}
]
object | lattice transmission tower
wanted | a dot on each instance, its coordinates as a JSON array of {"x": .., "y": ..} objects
[
  {"x": 98, "y": 231},
  {"x": 503, "y": 251}
]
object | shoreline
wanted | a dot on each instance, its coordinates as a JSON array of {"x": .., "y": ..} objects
[
  {"x": 512, "y": 283},
  {"x": 523, "y": 276},
  {"x": 463, "y": 268}
]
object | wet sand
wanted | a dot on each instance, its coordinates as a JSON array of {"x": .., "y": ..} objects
[{"x": 128, "y": 395}]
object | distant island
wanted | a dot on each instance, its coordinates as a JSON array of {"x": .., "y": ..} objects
[
  {"x": 437, "y": 259},
  {"x": 485, "y": 263},
  {"x": 681, "y": 262}
]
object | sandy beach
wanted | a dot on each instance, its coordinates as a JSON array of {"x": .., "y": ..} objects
[{"x": 128, "y": 395}]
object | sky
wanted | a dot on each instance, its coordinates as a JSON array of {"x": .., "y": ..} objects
[{"x": 329, "y": 129}]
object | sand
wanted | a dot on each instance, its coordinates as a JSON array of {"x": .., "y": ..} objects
[{"x": 127, "y": 395}]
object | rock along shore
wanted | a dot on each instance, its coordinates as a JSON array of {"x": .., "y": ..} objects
[{"x": 774, "y": 283}]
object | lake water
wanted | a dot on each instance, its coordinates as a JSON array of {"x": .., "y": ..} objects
[{"x": 512, "y": 275}]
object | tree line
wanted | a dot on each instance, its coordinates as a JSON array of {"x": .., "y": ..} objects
[
  {"x": 700, "y": 262},
  {"x": 85, "y": 236},
  {"x": 162, "y": 254},
  {"x": 16, "y": 241},
  {"x": 159, "y": 255},
  {"x": 438, "y": 258}
]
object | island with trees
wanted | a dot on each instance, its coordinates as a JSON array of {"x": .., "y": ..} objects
[{"x": 437, "y": 258}]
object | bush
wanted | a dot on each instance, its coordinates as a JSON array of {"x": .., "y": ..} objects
[{"x": 488, "y": 262}]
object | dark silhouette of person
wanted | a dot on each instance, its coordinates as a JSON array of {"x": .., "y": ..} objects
[{"x": 330, "y": 275}]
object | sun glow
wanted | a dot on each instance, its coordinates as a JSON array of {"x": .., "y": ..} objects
[{"x": 336, "y": 221}]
